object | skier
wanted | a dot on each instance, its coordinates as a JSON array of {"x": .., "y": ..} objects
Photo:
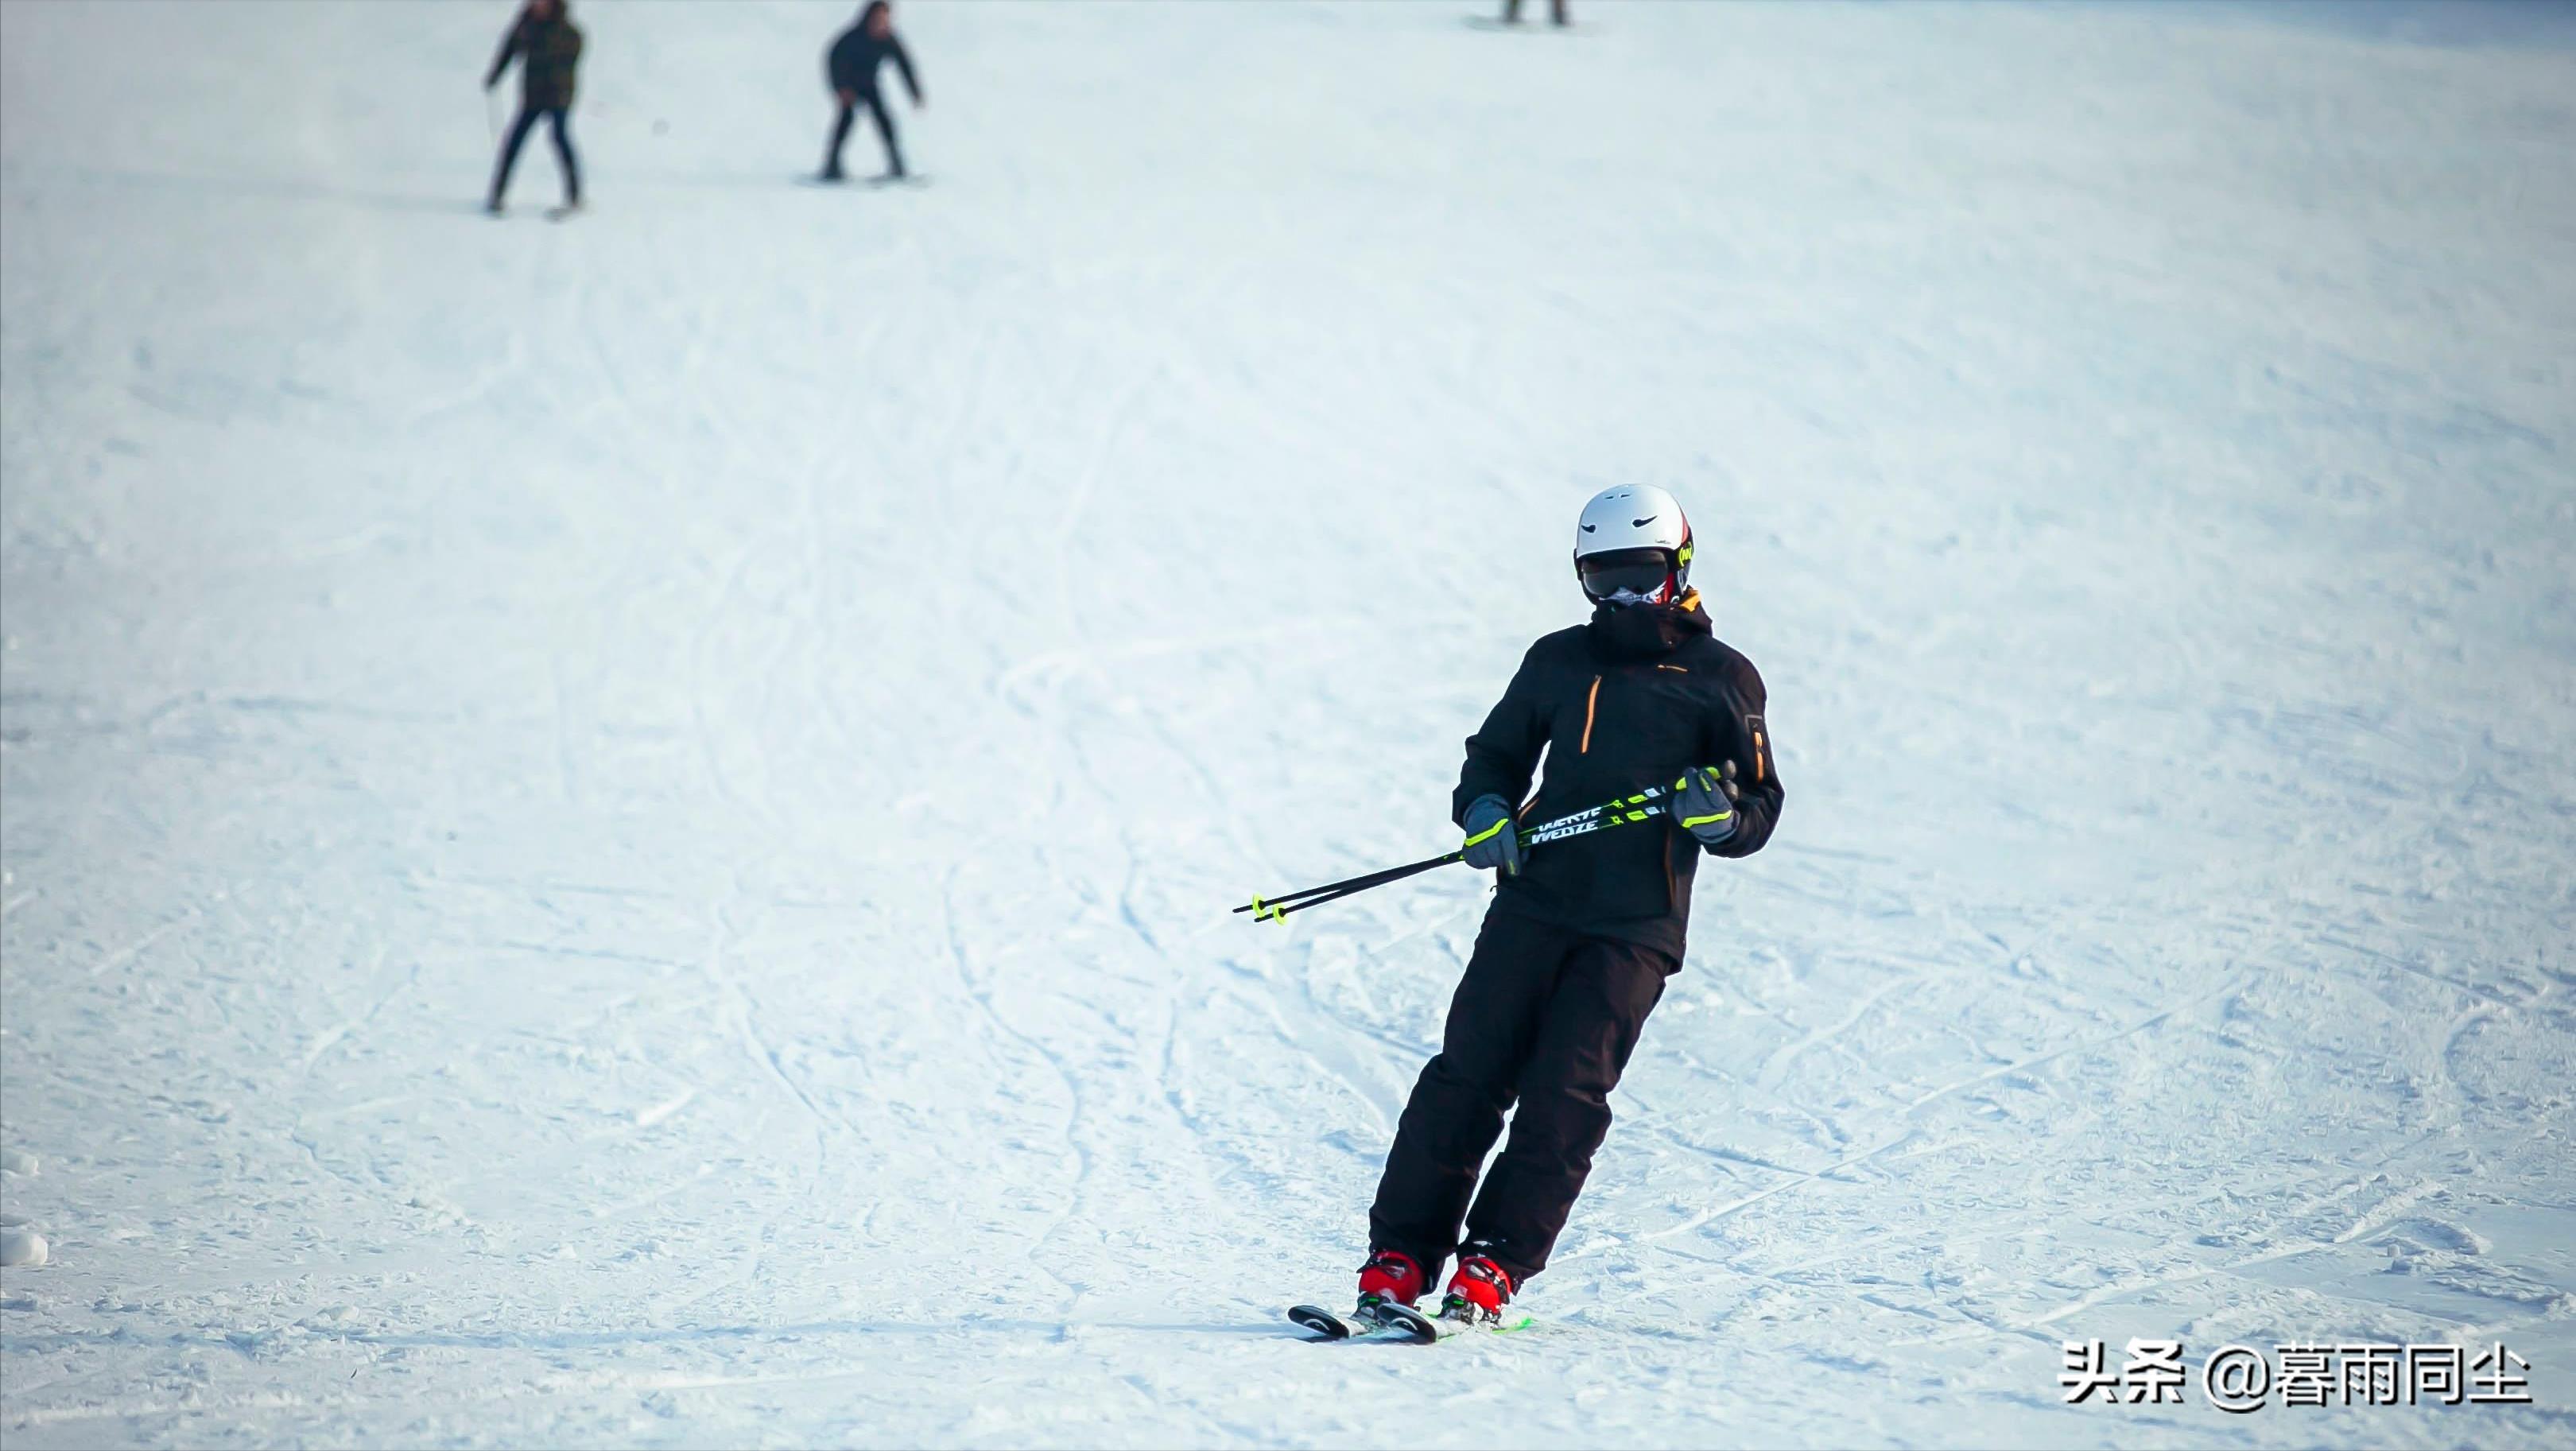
[
  {"x": 852, "y": 70},
  {"x": 1582, "y": 932},
  {"x": 542, "y": 39}
]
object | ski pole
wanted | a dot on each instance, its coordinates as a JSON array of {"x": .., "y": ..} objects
[
  {"x": 1598, "y": 818},
  {"x": 1276, "y": 913},
  {"x": 1620, "y": 812},
  {"x": 1591, "y": 818},
  {"x": 1608, "y": 814},
  {"x": 1262, "y": 907},
  {"x": 1262, "y": 910}
]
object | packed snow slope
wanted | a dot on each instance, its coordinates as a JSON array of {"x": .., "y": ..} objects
[{"x": 621, "y": 832}]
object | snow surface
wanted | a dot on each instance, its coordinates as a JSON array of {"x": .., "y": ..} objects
[{"x": 621, "y": 832}]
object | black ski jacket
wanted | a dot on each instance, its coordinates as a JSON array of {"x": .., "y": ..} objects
[
  {"x": 852, "y": 65},
  {"x": 1632, "y": 699},
  {"x": 548, "y": 52}
]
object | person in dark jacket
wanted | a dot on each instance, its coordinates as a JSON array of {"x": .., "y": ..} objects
[
  {"x": 1582, "y": 931},
  {"x": 852, "y": 69},
  {"x": 1555, "y": 12},
  {"x": 548, "y": 49}
]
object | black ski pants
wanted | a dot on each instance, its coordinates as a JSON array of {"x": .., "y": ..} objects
[
  {"x": 875, "y": 106},
  {"x": 519, "y": 129},
  {"x": 1544, "y": 1015}
]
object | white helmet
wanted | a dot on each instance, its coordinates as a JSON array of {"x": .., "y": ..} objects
[{"x": 1633, "y": 546}]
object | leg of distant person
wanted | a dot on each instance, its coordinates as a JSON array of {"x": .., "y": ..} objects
[
  {"x": 510, "y": 145},
  {"x": 840, "y": 138},
  {"x": 562, "y": 120},
  {"x": 885, "y": 133}
]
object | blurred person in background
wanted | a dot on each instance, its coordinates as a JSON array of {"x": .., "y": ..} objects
[
  {"x": 852, "y": 70},
  {"x": 548, "y": 49},
  {"x": 1555, "y": 12}
]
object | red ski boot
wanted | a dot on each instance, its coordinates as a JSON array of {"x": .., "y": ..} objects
[
  {"x": 1389, "y": 1284},
  {"x": 1478, "y": 1291},
  {"x": 1389, "y": 1278}
]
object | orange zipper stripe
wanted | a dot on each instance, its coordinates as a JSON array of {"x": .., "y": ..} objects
[{"x": 1591, "y": 703}]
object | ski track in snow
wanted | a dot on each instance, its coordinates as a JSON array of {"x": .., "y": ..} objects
[{"x": 622, "y": 833}]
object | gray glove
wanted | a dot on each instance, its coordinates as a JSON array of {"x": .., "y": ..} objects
[
  {"x": 1703, "y": 803},
  {"x": 1493, "y": 839}
]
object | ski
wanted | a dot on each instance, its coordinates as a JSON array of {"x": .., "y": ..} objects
[
  {"x": 1369, "y": 1322},
  {"x": 1416, "y": 1328},
  {"x": 1411, "y": 1323},
  {"x": 1449, "y": 1328},
  {"x": 1325, "y": 1324},
  {"x": 1521, "y": 27}
]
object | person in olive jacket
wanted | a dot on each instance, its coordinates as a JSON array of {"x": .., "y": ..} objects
[
  {"x": 1582, "y": 931},
  {"x": 548, "y": 49},
  {"x": 851, "y": 68}
]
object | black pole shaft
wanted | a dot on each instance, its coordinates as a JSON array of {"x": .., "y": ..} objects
[
  {"x": 1263, "y": 907},
  {"x": 1607, "y": 814}
]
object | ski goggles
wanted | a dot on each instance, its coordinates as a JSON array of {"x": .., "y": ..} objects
[{"x": 1641, "y": 574}]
